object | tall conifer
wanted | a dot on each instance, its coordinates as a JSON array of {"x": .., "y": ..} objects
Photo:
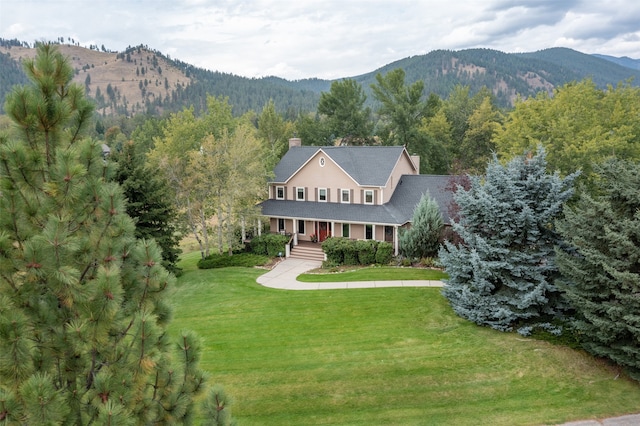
[
  {"x": 82, "y": 313},
  {"x": 423, "y": 238},
  {"x": 502, "y": 273},
  {"x": 600, "y": 265}
]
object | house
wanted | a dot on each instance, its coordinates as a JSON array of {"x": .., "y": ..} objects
[{"x": 359, "y": 192}]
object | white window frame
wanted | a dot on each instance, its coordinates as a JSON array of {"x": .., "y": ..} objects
[
  {"x": 320, "y": 195},
  {"x": 284, "y": 225},
  {"x": 368, "y": 192},
  {"x": 278, "y": 189},
  {"x": 300, "y": 190},
  {"x": 373, "y": 232},
  {"x": 348, "y": 227},
  {"x": 304, "y": 227},
  {"x": 348, "y": 192}
]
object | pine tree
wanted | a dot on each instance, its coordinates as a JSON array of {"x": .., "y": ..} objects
[
  {"x": 148, "y": 204},
  {"x": 600, "y": 265},
  {"x": 502, "y": 273},
  {"x": 423, "y": 238},
  {"x": 82, "y": 313}
]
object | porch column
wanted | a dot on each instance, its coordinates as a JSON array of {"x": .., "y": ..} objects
[
  {"x": 332, "y": 230},
  {"x": 395, "y": 240}
]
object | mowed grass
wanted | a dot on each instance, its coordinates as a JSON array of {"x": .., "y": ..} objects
[
  {"x": 375, "y": 273},
  {"x": 385, "y": 356}
]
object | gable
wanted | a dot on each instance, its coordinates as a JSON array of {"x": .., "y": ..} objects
[{"x": 365, "y": 165}]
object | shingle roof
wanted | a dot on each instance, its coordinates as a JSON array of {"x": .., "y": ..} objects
[
  {"x": 398, "y": 211},
  {"x": 410, "y": 188},
  {"x": 367, "y": 165}
]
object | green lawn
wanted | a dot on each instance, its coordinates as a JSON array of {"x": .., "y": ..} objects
[
  {"x": 375, "y": 273},
  {"x": 385, "y": 356}
]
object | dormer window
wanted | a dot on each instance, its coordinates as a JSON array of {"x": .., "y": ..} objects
[{"x": 279, "y": 192}]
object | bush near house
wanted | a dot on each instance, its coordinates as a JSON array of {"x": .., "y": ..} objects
[
  {"x": 247, "y": 260},
  {"x": 271, "y": 245},
  {"x": 343, "y": 251}
]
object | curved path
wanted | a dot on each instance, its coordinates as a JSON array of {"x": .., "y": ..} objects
[{"x": 284, "y": 276}]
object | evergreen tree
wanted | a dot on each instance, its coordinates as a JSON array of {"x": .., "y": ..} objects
[
  {"x": 148, "y": 204},
  {"x": 601, "y": 265},
  {"x": 347, "y": 117},
  {"x": 502, "y": 273},
  {"x": 82, "y": 313},
  {"x": 422, "y": 239}
]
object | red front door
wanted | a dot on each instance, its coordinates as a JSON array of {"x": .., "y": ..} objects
[{"x": 322, "y": 231}]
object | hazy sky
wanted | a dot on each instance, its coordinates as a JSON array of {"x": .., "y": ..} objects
[{"x": 327, "y": 39}]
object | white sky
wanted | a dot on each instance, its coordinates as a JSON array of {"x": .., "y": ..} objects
[{"x": 326, "y": 39}]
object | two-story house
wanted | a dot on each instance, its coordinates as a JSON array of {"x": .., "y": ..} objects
[{"x": 359, "y": 192}]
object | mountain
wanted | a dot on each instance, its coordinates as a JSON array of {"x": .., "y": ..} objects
[
  {"x": 625, "y": 61},
  {"x": 141, "y": 80}
]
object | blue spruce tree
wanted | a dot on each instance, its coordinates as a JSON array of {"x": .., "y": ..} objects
[
  {"x": 502, "y": 274},
  {"x": 600, "y": 265}
]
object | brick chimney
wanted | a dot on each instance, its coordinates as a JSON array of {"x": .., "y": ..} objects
[{"x": 295, "y": 142}]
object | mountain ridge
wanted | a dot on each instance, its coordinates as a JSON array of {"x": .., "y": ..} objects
[{"x": 142, "y": 80}]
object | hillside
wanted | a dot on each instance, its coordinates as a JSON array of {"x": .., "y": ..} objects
[
  {"x": 140, "y": 80},
  {"x": 127, "y": 83}
]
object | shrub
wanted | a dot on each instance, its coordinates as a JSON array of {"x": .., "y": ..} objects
[
  {"x": 350, "y": 252},
  {"x": 384, "y": 253},
  {"x": 269, "y": 244},
  {"x": 332, "y": 247},
  {"x": 366, "y": 251},
  {"x": 247, "y": 260}
]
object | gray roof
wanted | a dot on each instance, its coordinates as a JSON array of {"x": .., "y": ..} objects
[
  {"x": 367, "y": 165},
  {"x": 398, "y": 211}
]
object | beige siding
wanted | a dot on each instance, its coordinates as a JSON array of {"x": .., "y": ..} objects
[
  {"x": 312, "y": 176},
  {"x": 403, "y": 167}
]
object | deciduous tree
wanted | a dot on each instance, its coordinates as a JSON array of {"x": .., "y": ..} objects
[
  {"x": 579, "y": 126},
  {"x": 401, "y": 107}
]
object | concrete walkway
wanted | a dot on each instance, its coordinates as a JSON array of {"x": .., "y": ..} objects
[{"x": 284, "y": 276}]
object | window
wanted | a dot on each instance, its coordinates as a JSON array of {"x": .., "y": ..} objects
[
  {"x": 281, "y": 225},
  {"x": 345, "y": 196},
  {"x": 279, "y": 192},
  {"x": 321, "y": 161},
  {"x": 301, "y": 227},
  {"x": 346, "y": 230},
  {"x": 322, "y": 194},
  {"x": 300, "y": 194},
  {"x": 368, "y": 196},
  {"x": 368, "y": 232}
]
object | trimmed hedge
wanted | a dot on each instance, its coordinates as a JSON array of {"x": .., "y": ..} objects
[
  {"x": 384, "y": 253},
  {"x": 269, "y": 244},
  {"x": 247, "y": 260},
  {"x": 343, "y": 251}
]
